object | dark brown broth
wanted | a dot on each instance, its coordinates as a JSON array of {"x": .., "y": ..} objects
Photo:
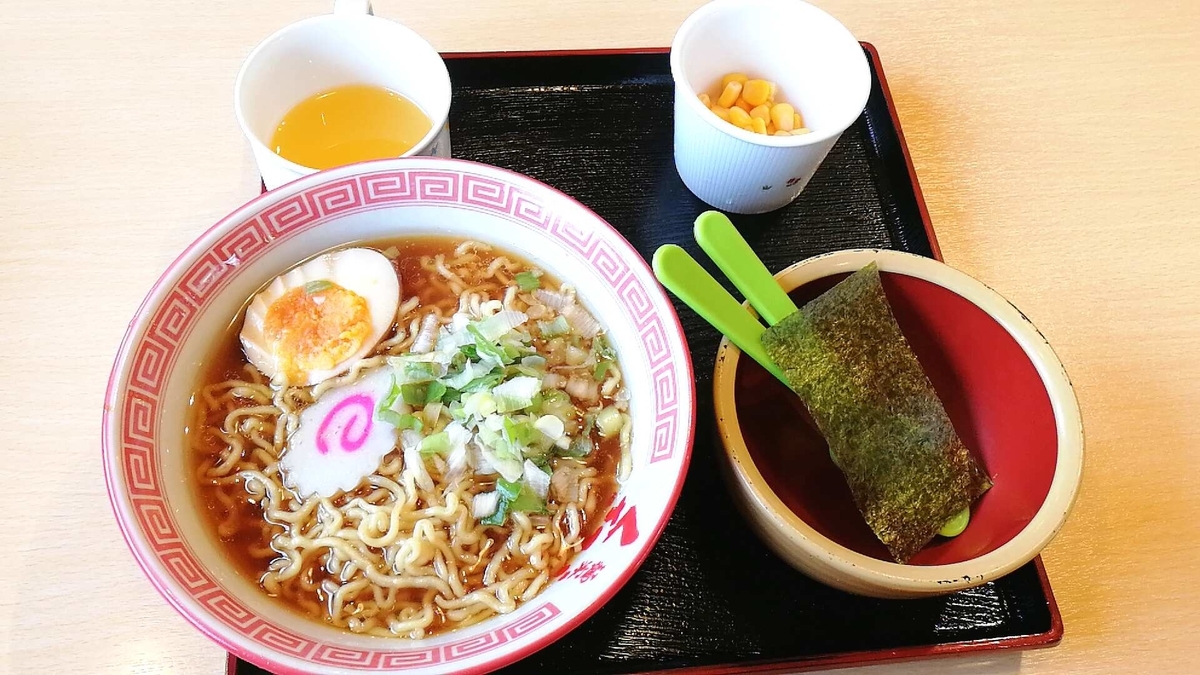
[{"x": 227, "y": 362}]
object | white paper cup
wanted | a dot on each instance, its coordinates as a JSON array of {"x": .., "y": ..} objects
[
  {"x": 820, "y": 68},
  {"x": 350, "y": 46}
]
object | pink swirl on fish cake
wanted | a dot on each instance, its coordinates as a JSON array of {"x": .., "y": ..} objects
[{"x": 355, "y": 416}]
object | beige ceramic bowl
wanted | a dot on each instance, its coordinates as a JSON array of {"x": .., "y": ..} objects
[{"x": 1004, "y": 389}]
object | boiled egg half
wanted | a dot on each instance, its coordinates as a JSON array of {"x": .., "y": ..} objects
[{"x": 317, "y": 319}]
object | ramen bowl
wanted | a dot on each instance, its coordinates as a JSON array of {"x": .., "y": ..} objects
[
  {"x": 1005, "y": 392},
  {"x": 191, "y": 306}
]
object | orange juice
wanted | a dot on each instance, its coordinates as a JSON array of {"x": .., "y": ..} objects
[{"x": 351, "y": 123}]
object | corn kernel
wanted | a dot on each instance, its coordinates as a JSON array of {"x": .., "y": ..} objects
[
  {"x": 784, "y": 116},
  {"x": 750, "y": 104},
  {"x": 756, "y": 92},
  {"x": 730, "y": 94},
  {"x": 739, "y": 117},
  {"x": 733, "y": 77}
]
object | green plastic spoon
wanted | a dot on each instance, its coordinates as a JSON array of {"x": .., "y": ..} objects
[
  {"x": 957, "y": 524},
  {"x": 684, "y": 277},
  {"x": 725, "y": 245}
]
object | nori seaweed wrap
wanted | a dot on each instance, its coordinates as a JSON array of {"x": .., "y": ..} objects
[{"x": 845, "y": 356}]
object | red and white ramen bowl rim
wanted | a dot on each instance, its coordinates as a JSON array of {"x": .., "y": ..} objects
[{"x": 169, "y": 339}]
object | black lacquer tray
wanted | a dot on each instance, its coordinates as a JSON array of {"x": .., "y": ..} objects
[{"x": 710, "y": 597}]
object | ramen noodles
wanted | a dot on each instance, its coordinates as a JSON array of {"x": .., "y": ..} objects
[{"x": 409, "y": 436}]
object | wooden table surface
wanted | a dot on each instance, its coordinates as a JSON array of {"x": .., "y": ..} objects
[{"x": 1056, "y": 143}]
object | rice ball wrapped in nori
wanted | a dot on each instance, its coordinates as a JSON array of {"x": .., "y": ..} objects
[{"x": 845, "y": 356}]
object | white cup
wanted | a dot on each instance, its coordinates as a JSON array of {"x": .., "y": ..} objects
[
  {"x": 819, "y": 67},
  {"x": 350, "y": 46}
]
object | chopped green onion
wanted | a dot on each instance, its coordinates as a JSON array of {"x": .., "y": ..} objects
[
  {"x": 516, "y": 393},
  {"x": 485, "y": 346},
  {"x": 609, "y": 421},
  {"x": 529, "y": 281},
  {"x": 511, "y": 351},
  {"x": 499, "y": 516},
  {"x": 581, "y": 446},
  {"x": 435, "y": 444},
  {"x": 413, "y": 394},
  {"x": 432, "y": 412},
  {"x": 484, "y": 383},
  {"x": 533, "y": 366},
  {"x": 538, "y": 454},
  {"x": 470, "y": 373},
  {"x": 603, "y": 350},
  {"x": 514, "y": 497},
  {"x": 390, "y": 416},
  {"x": 519, "y": 497},
  {"x": 317, "y": 286},
  {"x": 469, "y": 351},
  {"x": 491, "y": 435},
  {"x": 601, "y": 370},
  {"x": 488, "y": 436},
  {"x": 550, "y": 426},
  {"x": 435, "y": 392},
  {"x": 520, "y": 432},
  {"x": 513, "y": 371},
  {"x": 498, "y": 325},
  {"x": 534, "y": 361},
  {"x": 536, "y": 406},
  {"x": 507, "y": 489},
  {"x": 422, "y": 393},
  {"x": 556, "y": 402},
  {"x": 503, "y": 449},
  {"x": 420, "y": 371},
  {"x": 537, "y": 479},
  {"x": 528, "y": 502},
  {"x": 400, "y": 421},
  {"x": 390, "y": 400},
  {"x": 558, "y": 326},
  {"x": 480, "y": 404}
]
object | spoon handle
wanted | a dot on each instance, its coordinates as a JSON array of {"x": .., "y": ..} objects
[
  {"x": 726, "y": 246},
  {"x": 684, "y": 277}
]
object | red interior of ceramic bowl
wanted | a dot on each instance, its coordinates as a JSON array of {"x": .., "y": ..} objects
[{"x": 993, "y": 394}]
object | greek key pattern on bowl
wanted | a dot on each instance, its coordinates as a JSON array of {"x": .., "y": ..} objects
[{"x": 154, "y": 355}]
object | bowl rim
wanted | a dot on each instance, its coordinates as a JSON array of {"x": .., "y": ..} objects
[
  {"x": 118, "y": 382},
  {"x": 892, "y": 576}
]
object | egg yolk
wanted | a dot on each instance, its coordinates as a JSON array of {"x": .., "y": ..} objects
[{"x": 316, "y": 328}]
